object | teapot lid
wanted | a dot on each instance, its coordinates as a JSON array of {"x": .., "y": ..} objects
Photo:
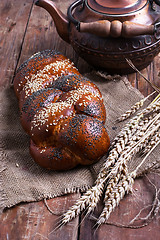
[{"x": 116, "y": 7}]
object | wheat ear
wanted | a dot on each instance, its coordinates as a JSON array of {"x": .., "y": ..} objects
[
  {"x": 115, "y": 152},
  {"x": 94, "y": 193},
  {"x": 134, "y": 108},
  {"x": 128, "y": 130},
  {"x": 117, "y": 194},
  {"x": 114, "y": 181},
  {"x": 153, "y": 141},
  {"x": 131, "y": 151},
  {"x": 132, "y": 125},
  {"x": 114, "y": 174}
]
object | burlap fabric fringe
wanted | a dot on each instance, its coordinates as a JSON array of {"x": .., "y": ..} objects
[{"x": 22, "y": 180}]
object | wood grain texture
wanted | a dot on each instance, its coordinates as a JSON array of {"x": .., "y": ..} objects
[
  {"x": 41, "y": 34},
  {"x": 24, "y": 30},
  {"x": 142, "y": 196},
  {"x": 151, "y": 73},
  {"x": 33, "y": 221},
  {"x": 13, "y": 22}
]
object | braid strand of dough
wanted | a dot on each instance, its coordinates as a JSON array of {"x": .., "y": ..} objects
[{"x": 62, "y": 111}]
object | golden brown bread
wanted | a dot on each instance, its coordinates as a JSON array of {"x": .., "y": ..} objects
[{"x": 62, "y": 111}]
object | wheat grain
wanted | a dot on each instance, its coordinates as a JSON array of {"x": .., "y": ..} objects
[
  {"x": 114, "y": 181},
  {"x": 127, "y": 131},
  {"x": 152, "y": 107},
  {"x": 134, "y": 108},
  {"x": 153, "y": 141},
  {"x": 123, "y": 187}
]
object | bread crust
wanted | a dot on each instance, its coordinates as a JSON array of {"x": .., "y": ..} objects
[{"x": 62, "y": 111}]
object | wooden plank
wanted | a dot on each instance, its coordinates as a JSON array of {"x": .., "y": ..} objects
[
  {"x": 142, "y": 196},
  {"x": 13, "y": 21},
  {"x": 32, "y": 221},
  {"x": 152, "y": 73},
  {"x": 41, "y": 34}
]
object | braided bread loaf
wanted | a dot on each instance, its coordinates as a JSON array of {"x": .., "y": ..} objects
[{"x": 62, "y": 112}]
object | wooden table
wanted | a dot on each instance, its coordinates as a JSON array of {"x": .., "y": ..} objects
[{"x": 24, "y": 30}]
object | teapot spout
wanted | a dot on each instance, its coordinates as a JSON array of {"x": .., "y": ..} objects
[{"x": 60, "y": 20}]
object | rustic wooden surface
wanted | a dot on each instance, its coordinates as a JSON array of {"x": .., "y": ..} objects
[{"x": 24, "y": 30}]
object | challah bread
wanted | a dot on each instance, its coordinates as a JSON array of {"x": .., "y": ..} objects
[{"x": 62, "y": 111}]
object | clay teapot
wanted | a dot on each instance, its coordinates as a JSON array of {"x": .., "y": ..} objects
[{"x": 107, "y": 32}]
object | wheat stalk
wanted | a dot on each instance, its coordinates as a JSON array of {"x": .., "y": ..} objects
[
  {"x": 92, "y": 196},
  {"x": 144, "y": 159},
  {"x": 151, "y": 84},
  {"x": 114, "y": 193},
  {"x": 141, "y": 132}
]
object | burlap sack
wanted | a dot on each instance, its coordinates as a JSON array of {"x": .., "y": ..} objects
[{"x": 22, "y": 180}]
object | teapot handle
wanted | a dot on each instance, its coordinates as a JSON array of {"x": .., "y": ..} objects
[
  {"x": 105, "y": 28},
  {"x": 127, "y": 29}
]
